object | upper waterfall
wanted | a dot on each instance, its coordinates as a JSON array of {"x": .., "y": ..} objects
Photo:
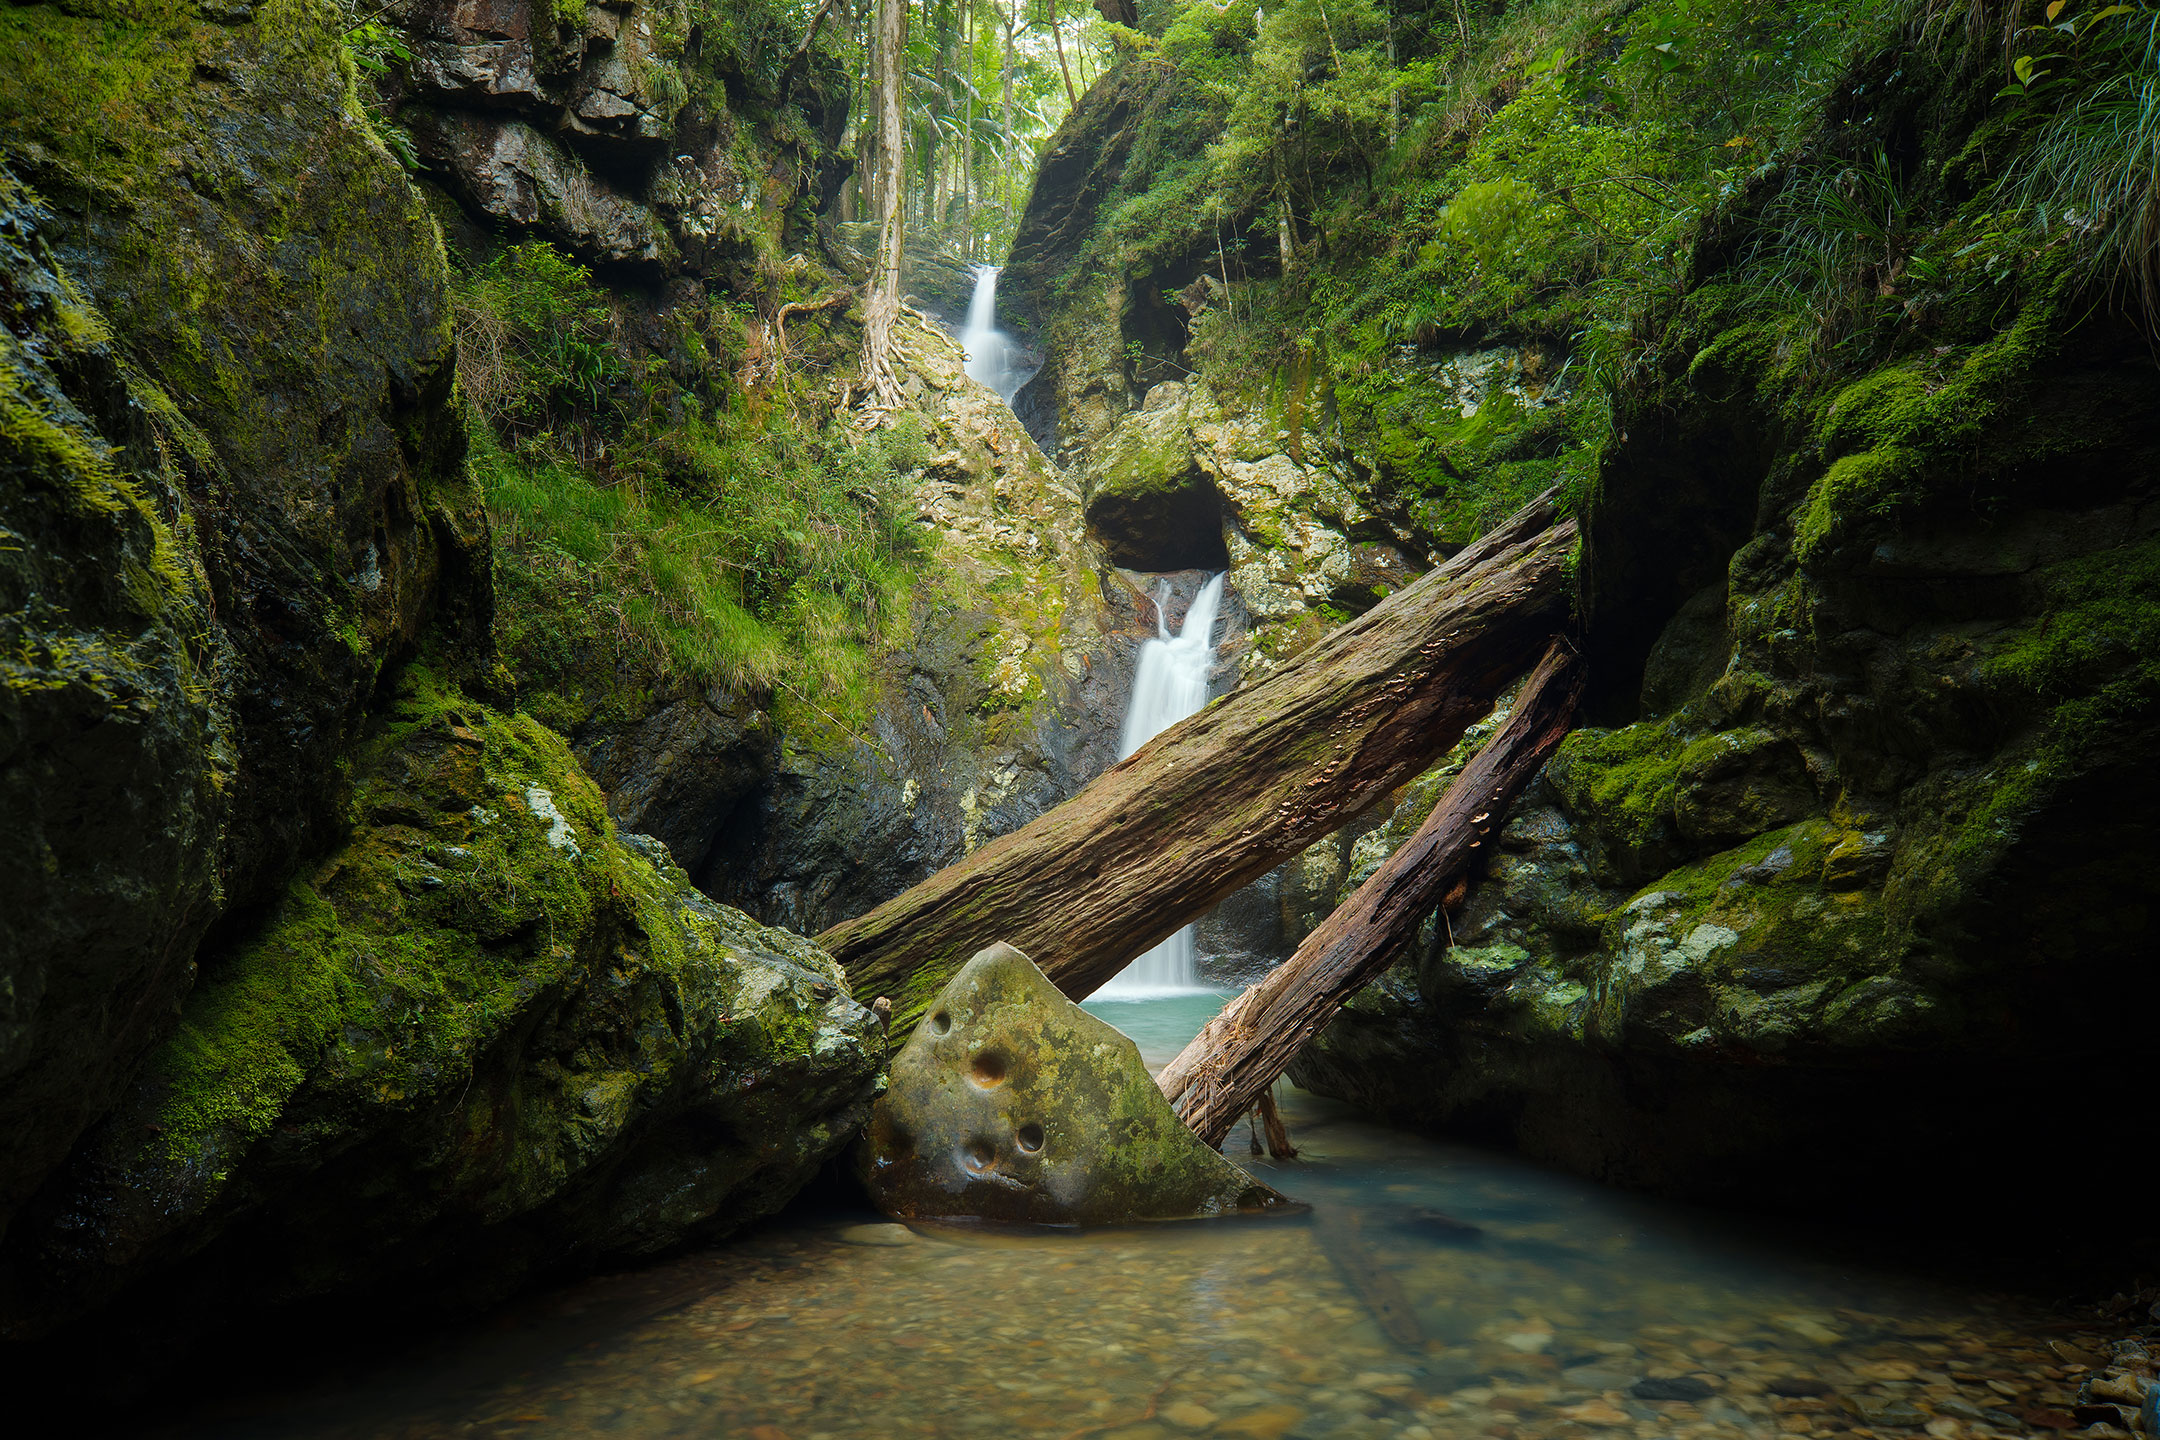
[{"x": 1170, "y": 683}]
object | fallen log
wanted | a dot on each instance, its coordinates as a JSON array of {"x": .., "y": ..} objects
[
  {"x": 1230, "y": 1065},
  {"x": 1219, "y": 799}
]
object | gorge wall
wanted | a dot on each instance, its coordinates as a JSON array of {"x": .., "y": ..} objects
[{"x": 1816, "y": 912}]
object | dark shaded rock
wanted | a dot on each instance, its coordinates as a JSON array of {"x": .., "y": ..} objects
[
  {"x": 512, "y": 173},
  {"x": 280, "y": 437},
  {"x": 484, "y": 1037},
  {"x": 679, "y": 772},
  {"x": 107, "y": 736},
  {"x": 1011, "y": 1103},
  {"x": 1148, "y": 500}
]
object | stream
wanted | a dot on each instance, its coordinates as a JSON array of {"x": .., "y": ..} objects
[{"x": 1434, "y": 1290}]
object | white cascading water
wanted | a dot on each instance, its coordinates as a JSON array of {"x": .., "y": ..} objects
[
  {"x": 989, "y": 352},
  {"x": 1170, "y": 684}
]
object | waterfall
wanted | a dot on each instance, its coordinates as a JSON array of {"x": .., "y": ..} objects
[
  {"x": 1170, "y": 684},
  {"x": 989, "y": 352}
]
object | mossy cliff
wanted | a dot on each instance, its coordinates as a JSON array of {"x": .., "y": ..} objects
[
  {"x": 771, "y": 637},
  {"x": 321, "y": 970},
  {"x": 1860, "y": 840},
  {"x": 235, "y": 493},
  {"x": 1860, "y": 430}
]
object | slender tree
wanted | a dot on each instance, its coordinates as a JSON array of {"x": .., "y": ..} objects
[
  {"x": 1057, "y": 39},
  {"x": 882, "y": 307},
  {"x": 1011, "y": 16}
]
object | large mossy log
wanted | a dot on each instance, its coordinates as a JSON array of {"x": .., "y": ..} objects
[
  {"x": 1219, "y": 799},
  {"x": 1229, "y": 1065}
]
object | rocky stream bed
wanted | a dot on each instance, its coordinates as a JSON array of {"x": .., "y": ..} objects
[{"x": 1435, "y": 1291}]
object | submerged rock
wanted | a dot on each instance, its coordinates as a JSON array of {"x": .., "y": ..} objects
[{"x": 1012, "y": 1103}]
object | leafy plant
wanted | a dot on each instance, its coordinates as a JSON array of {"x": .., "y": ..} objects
[{"x": 2089, "y": 179}]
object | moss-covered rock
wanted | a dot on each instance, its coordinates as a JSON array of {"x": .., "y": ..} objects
[
  {"x": 1013, "y": 1104},
  {"x": 990, "y": 706},
  {"x": 236, "y": 495},
  {"x": 487, "y": 1035},
  {"x": 1819, "y": 912},
  {"x": 114, "y": 744}
]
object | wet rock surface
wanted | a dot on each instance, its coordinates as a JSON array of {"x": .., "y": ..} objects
[
  {"x": 489, "y": 1035},
  {"x": 1012, "y": 1104},
  {"x": 237, "y": 495}
]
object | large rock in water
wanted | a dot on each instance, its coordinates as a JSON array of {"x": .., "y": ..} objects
[{"x": 1012, "y": 1103}]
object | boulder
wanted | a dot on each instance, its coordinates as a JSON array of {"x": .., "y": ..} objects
[
  {"x": 1011, "y": 1103},
  {"x": 234, "y": 488},
  {"x": 489, "y": 1036},
  {"x": 1148, "y": 498}
]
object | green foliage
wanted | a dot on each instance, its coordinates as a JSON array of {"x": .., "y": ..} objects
[
  {"x": 374, "y": 47},
  {"x": 536, "y": 341},
  {"x": 2089, "y": 180},
  {"x": 763, "y": 561},
  {"x": 649, "y": 525},
  {"x": 2100, "y": 635}
]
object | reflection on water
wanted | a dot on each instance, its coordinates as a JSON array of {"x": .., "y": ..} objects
[{"x": 1435, "y": 1291}]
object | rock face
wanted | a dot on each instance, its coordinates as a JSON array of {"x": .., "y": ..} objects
[
  {"x": 318, "y": 973},
  {"x": 235, "y": 492},
  {"x": 486, "y": 1036},
  {"x": 1011, "y": 1103},
  {"x": 1833, "y": 892},
  {"x": 995, "y": 705},
  {"x": 608, "y": 128}
]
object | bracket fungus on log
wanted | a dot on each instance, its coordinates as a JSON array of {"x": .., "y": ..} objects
[{"x": 1011, "y": 1103}]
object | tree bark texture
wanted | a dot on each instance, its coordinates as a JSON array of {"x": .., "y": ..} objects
[
  {"x": 1230, "y": 1065},
  {"x": 882, "y": 307},
  {"x": 1222, "y": 797}
]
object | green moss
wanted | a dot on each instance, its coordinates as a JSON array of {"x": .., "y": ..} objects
[
  {"x": 1627, "y": 778},
  {"x": 388, "y": 970}
]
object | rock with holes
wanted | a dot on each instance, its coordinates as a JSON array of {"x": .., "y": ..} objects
[{"x": 1011, "y": 1103}]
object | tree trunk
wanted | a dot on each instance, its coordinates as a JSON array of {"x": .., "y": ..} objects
[
  {"x": 1057, "y": 39},
  {"x": 882, "y": 307},
  {"x": 967, "y": 125},
  {"x": 1012, "y": 23},
  {"x": 1230, "y": 1065},
  {"x": 1221, "y": 798}
]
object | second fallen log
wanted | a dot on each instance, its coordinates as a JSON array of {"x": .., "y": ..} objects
[
  {"x": 1219, "y": 799},
  {"x": 1229, "y": 1065}
]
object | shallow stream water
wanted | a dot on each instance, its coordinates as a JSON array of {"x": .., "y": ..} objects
[{"x": 1434, "y": 1290}]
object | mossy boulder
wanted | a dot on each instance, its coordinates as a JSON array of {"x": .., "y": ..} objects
[
  {"x": 114, "y": 746},
  {"x": 486, "y": 1036},
  {"x": 1010, "y": 1103}
]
